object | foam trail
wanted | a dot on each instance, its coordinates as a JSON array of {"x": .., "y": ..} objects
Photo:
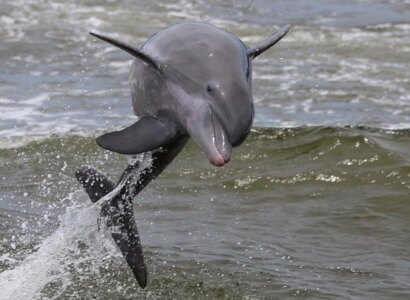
[{"x": 56, "y": 253}]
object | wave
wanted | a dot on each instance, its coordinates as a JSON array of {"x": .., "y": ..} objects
[
  {"x": 273, "y": 155},
  {"x": 213, "y": 231},
  {"x": 294, "y": 135}
]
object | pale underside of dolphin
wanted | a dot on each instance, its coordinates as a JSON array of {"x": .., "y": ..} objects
[{"x": 188, "y": 80}]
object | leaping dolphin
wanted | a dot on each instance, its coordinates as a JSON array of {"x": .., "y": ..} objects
[{"x": 188, "y": 80}]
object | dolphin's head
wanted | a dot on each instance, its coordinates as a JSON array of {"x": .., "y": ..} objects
[
  {"x": 208, "y": 72},
  {"x": 200, "y": 116},
  {"x": 218, "y": 115},
  {"x": 207, "y": 76}
]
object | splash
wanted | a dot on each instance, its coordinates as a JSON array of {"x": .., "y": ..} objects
[
  {"x": 55, "y": 254},
  {"x": 77, "y": 242}
]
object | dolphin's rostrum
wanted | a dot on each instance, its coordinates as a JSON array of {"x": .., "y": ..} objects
[{"x": 188, "y": 80}]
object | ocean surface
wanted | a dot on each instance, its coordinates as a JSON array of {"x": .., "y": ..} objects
[{"x": 314, "y": 205}]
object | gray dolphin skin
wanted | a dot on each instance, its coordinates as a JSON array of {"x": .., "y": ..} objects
[{"x": 193, "y": 80}]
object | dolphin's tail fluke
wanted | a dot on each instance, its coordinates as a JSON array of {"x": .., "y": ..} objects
[
  {"x": 118, "y": 210},
  {"x": 119, "y": 214},
  {"x": 126, "y": 237},
  {"x": 95, "y": 183}
]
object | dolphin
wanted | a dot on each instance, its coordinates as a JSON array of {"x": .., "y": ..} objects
[{"x": 189, "y": 80}]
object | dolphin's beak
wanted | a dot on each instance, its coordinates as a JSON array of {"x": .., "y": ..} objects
[{"x": 205, "y": 128}]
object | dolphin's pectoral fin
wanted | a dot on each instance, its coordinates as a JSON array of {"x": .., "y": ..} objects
[
  {"x": 268, "y": 42},
  {"x": 96, "y": 184},
  {"x": 146, "y": 134}
]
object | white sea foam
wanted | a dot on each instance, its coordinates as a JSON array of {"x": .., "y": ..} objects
[
  {"x": 312, "y": 62},
  {"x": 36, "y": 100},
  {"x": 23, "y": 109}
]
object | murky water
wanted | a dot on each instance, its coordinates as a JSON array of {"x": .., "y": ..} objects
[{"x": 316, "y": 205}]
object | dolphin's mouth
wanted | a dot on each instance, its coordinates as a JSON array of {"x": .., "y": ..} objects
[
  {"x": 217, "y": 149},
  {"x": 222, "y": 148},
  {"x": 206, "y": 129},
  {"x": 218, "y": 159}
]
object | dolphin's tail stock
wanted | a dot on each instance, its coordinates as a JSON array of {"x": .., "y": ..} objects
[
  {"x": 119, "y": 214},
  {"x": 118, "y": 210}
]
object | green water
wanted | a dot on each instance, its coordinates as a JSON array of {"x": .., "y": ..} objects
[
  {"x": 315, "y": 212},
  {"x": 313, "y": 206}
]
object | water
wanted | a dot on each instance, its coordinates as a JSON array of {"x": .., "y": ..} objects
[{"x": 314, "y": 205}]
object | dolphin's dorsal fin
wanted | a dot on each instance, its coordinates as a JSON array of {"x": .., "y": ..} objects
[
  {"x": 146, "y": 134},
  {"x": 127, "y": 48},
  {"x": 268, "y": 42}
]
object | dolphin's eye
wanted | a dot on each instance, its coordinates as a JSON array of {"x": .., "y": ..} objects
[{"x": 214, "y": 89}]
